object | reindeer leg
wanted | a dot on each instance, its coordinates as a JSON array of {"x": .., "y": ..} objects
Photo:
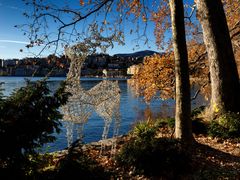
[
  {"x": 105, "y": 133},
  {"x": 69, "y": 133},
  {"x": 117, "y": 121},
  {"x": 80, "y": 132}
]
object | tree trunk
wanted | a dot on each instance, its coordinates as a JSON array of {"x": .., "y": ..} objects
[
  {"x": 183, "y": 125},
  {"x": 223, "y": 70}
]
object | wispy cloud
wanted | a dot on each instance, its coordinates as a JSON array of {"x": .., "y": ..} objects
[
  {"x": 13, "y": 41},
  {"x": 13, "y": 7},
  {"x": 10, "y": 7}
]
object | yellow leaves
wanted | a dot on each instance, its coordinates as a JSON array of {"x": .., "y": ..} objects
[
  {"x": 215, "y": 108},
  {"x": 156, "y": 74}
]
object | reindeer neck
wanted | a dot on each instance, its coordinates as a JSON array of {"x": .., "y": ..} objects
[{"x": 74, "y": 72}]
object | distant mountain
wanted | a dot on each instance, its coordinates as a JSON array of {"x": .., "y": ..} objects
[{"x": 137, "y": 54}]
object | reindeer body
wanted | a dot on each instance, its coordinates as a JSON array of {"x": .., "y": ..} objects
[{"x": 104, "y": 98}]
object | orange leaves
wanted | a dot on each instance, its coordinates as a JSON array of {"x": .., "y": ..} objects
[
  {"x": 84, "y": 2},
  {"x": 161, "y": 19},
  {"x": 133, "y": 9},
  {"x": 156, "y": 74},
  {"x": 81, "y": 2}
]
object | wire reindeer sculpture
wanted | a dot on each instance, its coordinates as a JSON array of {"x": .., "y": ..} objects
[{"x": 104, "y": 99}]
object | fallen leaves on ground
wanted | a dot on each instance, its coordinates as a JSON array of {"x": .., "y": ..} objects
[{"x": 213, "y": 158}]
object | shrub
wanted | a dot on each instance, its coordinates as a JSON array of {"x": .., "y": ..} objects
[
  {"x": 165, "y": 122},
  {"x": 37, "y": 163},
  {"x": 226, "y": 126},
  {"x": 199, "y": 126},
  {"x": 152, "y": 156},
  {"x": 28, "y": 118},
  {"x": 74, "y": 163},
  {"x": 197, "y": 111},
  {"x": 149, "y": 129},
  {"x": 78, "y": 164},
  {"x": 144, "y": 130},
  {"x": 171, "y": 122},
  {"x": 157, "y": 157}
]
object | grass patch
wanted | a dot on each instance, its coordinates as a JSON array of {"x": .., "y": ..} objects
[{"x": 225, "y": 126}]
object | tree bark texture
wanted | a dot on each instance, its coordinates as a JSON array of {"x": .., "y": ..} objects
[
  {"x": 183, "y": 125},
  {"x": 225, "y": 86}
]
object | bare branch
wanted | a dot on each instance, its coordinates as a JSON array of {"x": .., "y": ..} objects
[
  {"x": 42, "y": 15},
  {"x": 50, "y": 15},
  {"x": 197, "y": 92},
  {"x": 193, "y": 8},
  {"x": 85, "y": 16}
]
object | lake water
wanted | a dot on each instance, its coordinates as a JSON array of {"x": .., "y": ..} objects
[{"x": 132, "y": 108}]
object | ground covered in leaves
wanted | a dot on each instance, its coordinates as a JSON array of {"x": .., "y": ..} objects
[{"x": 212, "y": 158}]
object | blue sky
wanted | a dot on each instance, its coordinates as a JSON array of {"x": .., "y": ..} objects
[{"x": 12, "y": 39}]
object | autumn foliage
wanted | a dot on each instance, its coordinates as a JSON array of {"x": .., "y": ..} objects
[{"x": 156, "y": 73}]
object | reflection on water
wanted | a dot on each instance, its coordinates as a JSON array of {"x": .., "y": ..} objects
[
  {"x": 165, "y": 110},
  {"x": 132, "y": 108}
]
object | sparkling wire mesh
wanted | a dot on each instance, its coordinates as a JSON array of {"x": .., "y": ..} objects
[{"x": 104, "y": 99}]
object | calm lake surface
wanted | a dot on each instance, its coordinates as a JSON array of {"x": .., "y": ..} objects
[{"x": 132, "y": 109}]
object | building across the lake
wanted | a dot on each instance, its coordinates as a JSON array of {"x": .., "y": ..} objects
[{"x": 134, "y": 69}]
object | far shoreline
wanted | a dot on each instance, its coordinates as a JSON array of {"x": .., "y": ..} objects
[{"x": 90, "y": 77}]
